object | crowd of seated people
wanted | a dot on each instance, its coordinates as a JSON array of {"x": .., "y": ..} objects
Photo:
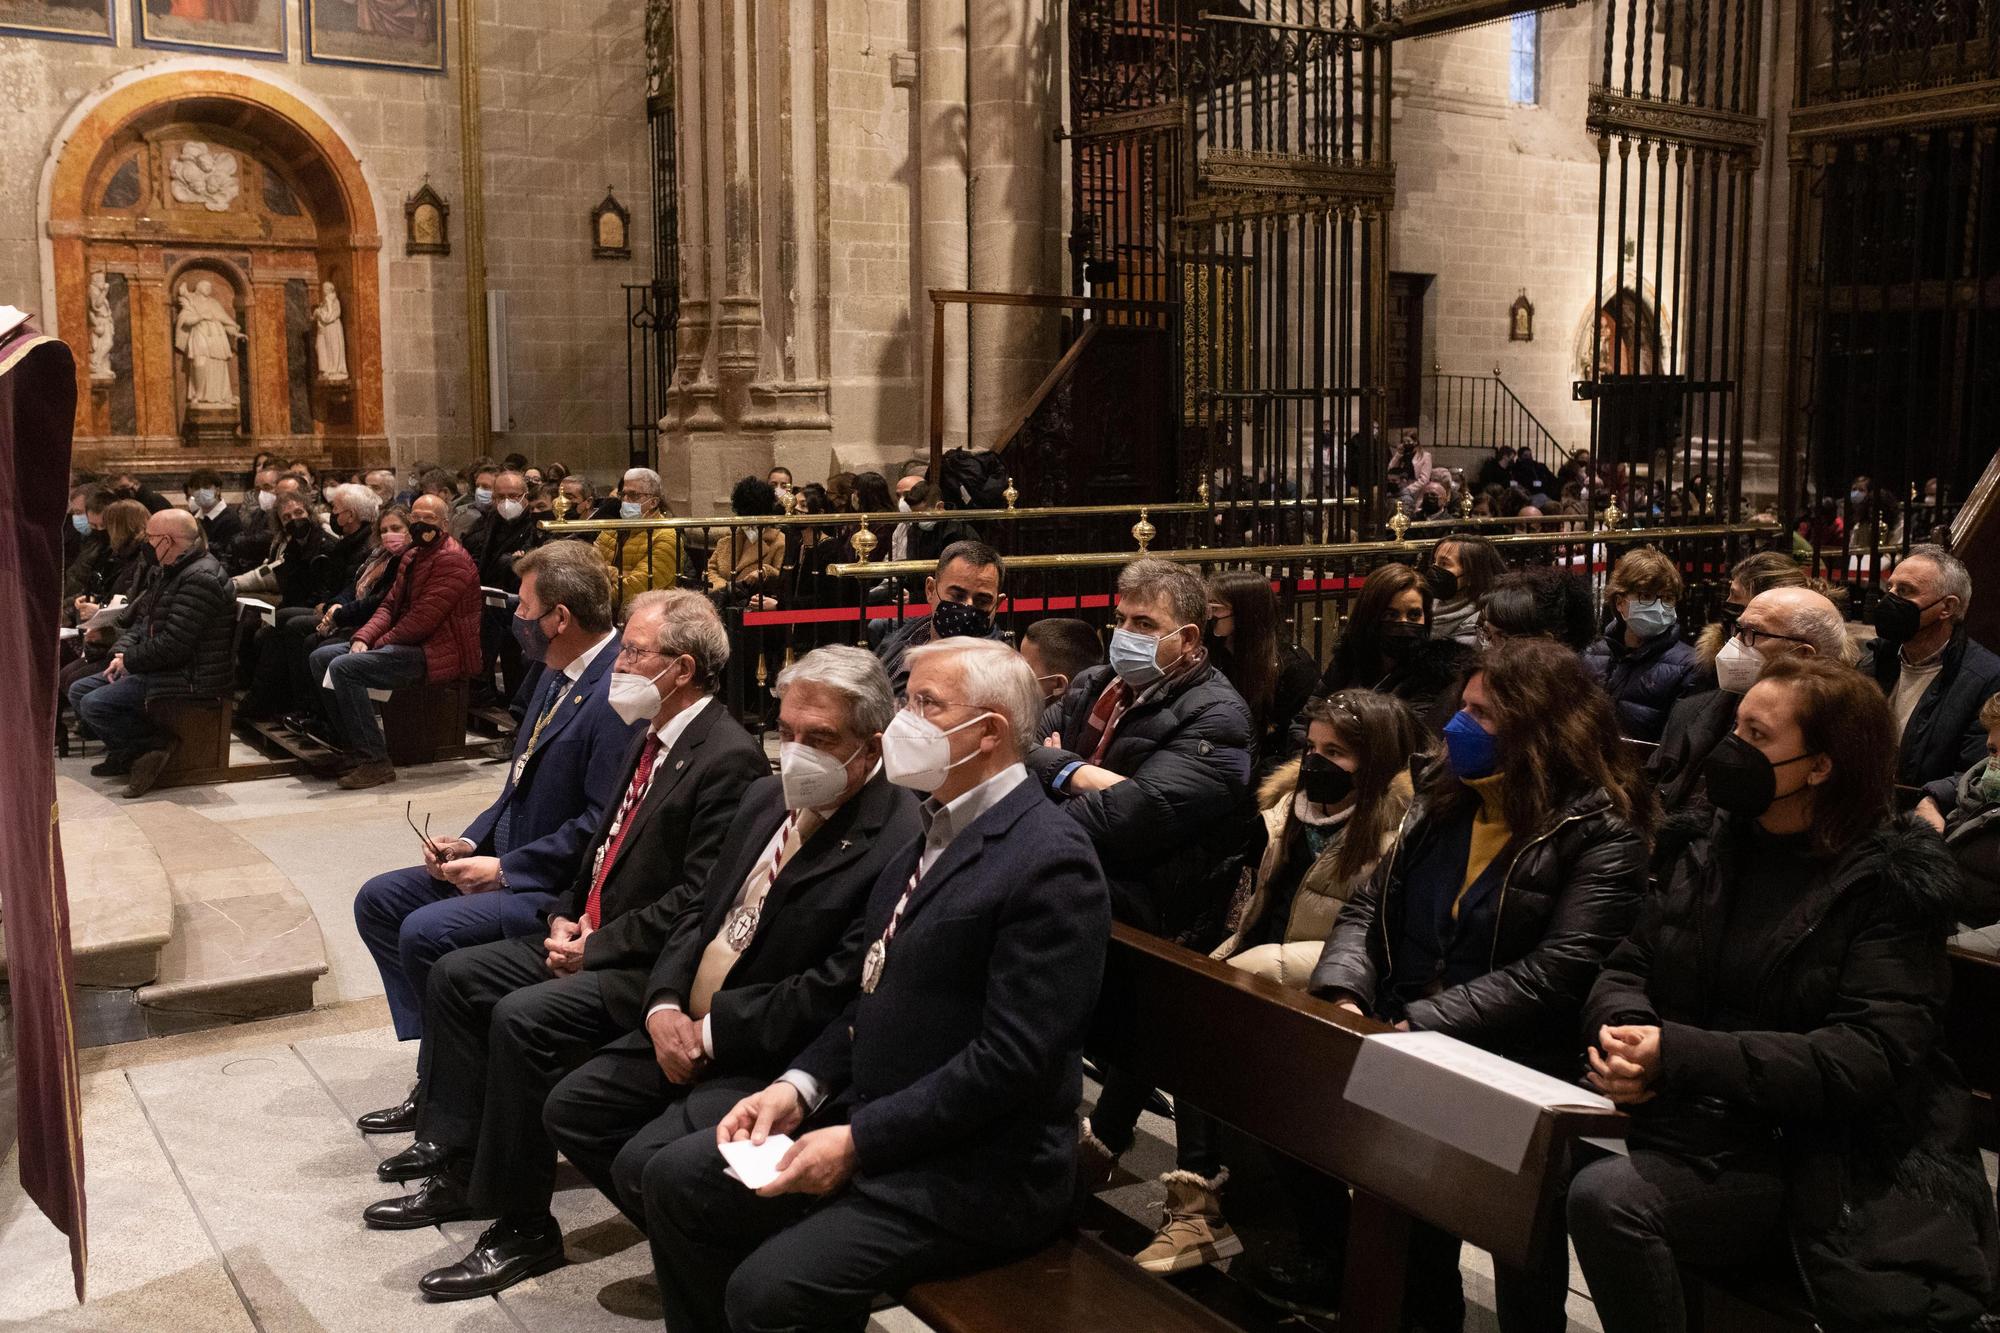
[{"x": 1672, "y": 871}]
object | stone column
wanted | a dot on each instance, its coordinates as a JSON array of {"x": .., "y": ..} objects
[
  {"x": 942, "y": 238},
  {"x": 1012, "y": 97}
]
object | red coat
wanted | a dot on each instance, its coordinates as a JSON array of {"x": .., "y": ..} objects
[{"x": 434, "y": 605}]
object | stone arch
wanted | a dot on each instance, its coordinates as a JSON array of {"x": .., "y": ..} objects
[{"x": 306, "y": 213}]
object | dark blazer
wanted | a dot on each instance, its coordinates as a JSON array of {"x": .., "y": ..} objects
[
  {"x": 799, "y": 970},
  {"x": 675, "y": 838},
  {"x": 568, "y": 787},
  {"x": 1943, "y": 737},
  {"x": 961, "y": 1074},
  {"x": 1695, "y": 727}
]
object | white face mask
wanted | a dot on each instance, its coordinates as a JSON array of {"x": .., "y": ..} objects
[
  {"x": 1737, "y": 667},
  {"x": 509, "y": 509},
  {"x": 267, "y": 500},
  {"x": 916, "y": 753},
  {"x": 634, "y": 697},
  {"x": 812, "y": 778}
]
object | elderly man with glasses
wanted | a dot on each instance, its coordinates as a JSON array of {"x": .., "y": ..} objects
[{"x": 642, "y": 559}]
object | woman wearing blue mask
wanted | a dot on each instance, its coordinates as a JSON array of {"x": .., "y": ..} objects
[
  {"x": 1520, "y": 864},
  {"x": 1642, "y": 660}
]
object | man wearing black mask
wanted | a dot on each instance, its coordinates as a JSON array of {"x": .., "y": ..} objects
[
  {"x": 964, "y": 594},
  {"x": 1936, "y": 677}
]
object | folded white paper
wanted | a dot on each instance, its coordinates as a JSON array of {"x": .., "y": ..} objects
[
  {"x": 756, "y": 1165},
  {"x": 11, "y": 319},
  {"x": 1478, "y": 1102}
]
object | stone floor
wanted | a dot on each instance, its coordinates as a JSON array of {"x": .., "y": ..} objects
[{"x": 226, "y": 1178}]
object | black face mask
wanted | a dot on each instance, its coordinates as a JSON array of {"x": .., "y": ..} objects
[
  {"x": 423, "y": 534},
  {"x": 300, "y": 528},
  {"x": 1323, "y": 781},
  {"x": 1897, "y": 619},
  {"x": 960, "y": 620},
  {"x": 1740, "y": 779},
  {"x": 534, "y": 640},
  {"x": 1401, "y": 639},
  {"x": 1444, "y": 583}
]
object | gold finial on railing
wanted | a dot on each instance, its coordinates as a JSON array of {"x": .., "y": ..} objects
[
  {"x": 1613, "y": 515},
  {"x": 1496, "y": 372},
  {"x": 1143, "y": 531},
  {"x": 865, "y": 542},
  {"x": 1465, "y": 504},
  {"x": 561, "y": 505},
  {"x": 1399, "y": 522},
  {"x": 1010, "y": 495},
  {"x": 790, "y": 501},
  {"x": 1913, "y": 492},
  {"x": 1201, "y": 492}
]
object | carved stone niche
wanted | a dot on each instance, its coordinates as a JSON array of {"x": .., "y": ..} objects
[
  {"x": 610, "y": 229},
  {"x": 426, "y": 219}
]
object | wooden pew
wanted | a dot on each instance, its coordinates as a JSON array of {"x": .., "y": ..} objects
[{"x": 1223, "y": 1040}]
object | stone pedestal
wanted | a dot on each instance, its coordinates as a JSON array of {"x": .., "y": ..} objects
[{"x": 212, "y": 428}]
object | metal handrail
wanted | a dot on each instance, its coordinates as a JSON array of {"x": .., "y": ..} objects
[
  {"x": 1541, "y": 441},
  {"x": 1220, "y": 555},
  {"x": 895, "y": 516}
]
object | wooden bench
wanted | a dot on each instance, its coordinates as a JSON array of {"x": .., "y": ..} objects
[
  {"x": 424, "y": 723},
  {"x": 1223, "y": 1040},
  {"x": 201, "y": 728}
]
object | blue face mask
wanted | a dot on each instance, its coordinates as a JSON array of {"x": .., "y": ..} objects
[
  {"x": 81, "y": 522},
  {"x": 483, "y": 496},
  {"x": 1136, "y": 658},
  {"x": 628, "y": 509},
  {"x": 1649, "y": 618},
  {"x": 1470, "y": 749}
]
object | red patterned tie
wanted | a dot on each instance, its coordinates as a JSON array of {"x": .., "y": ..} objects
[{"x": 642, "y": 777}]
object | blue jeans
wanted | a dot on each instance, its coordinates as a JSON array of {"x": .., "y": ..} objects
[
  {"x": 409, "y": 920},
  {"x": 115, "y": 712},
  {"x": 352, "y": 676}
]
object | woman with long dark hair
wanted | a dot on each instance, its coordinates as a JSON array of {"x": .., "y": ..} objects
[
  {"x": 1460, "y": 571},
  {"x": 1774, "y": 1025},
  {"x": 1519, "y": 866},
  {"x": 1274, "y": 675},
  {"x": 1387, "y": 645}
]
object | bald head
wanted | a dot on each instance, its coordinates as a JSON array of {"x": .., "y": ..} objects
[
  {"x": 1805, "y": 619},
  {"x": 431, "y": 508},
  {"x": 173, "y": 533}
]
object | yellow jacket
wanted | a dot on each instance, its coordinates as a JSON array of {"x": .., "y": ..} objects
[
  {"x": 642, "y": 560},
  {"x": 754, "y": 565}
]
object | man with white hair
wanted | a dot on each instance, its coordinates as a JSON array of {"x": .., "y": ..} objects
[
  {"x": 1777, "y": 622},
  {"x": 936, "y": 1116},
  {"x": 642, "y": 558},
  {"x": 1935, "y": 675}
]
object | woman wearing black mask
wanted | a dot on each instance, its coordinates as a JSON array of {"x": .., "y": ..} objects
[
  {"x": 1460, "y": 571},
  {"x": 1387, "y": 645},
  {"x": 1774, "y": 1026},
  {"x": 1275, "y": 676},
  {"x": 1521, "y": 863},
  {"x": 1329, "y": 814}
]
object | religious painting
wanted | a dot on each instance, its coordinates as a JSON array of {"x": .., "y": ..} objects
[
  {"x": 66, "y": 20},
  {"x": 425, "y": 215},
  {"x": 1521, "y": 319},
  {"x": 388, "y": 34},
  {"x": 238, "y": 27},
  {"x": 610, "y": 229}
]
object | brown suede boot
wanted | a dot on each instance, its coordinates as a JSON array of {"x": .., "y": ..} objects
[{"x": 1192, "y": 1232}]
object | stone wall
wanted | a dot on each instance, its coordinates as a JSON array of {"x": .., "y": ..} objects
[{"x": 562, "y": 98}]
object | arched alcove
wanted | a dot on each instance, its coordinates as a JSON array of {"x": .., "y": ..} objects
[{"x": 218, "y": 173}]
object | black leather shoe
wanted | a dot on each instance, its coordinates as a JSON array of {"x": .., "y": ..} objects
[
  {"x": 441, "y": 1199},
  {"x": 420, "y": 1161},
  {"x": 505, "y": 1253},
  {"x": 1306, "y": 1284},
  {"x": 112, "y": 766},
  {"x": 398, "y": 1119}
]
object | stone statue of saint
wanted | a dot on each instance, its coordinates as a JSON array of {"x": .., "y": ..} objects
[
  {"x": 100, "y": 326},
  {"x": 206, "y": 334},
  {"x": 329, "y": 342},
  {"x": 203, "y": 175}
]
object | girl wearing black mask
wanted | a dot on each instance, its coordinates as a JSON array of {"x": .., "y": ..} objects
[
  {"x": 1774, "y": 1026},
  {"x": 1329, "y": 814},
  {"x": 1387, "y": 645},
  {"x": 1274, "y": 675},
  {"x": 1460, "y": 571}
]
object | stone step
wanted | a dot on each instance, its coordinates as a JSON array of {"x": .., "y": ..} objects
[
  {"x": 121, "y": 909},
  {"x": 245, "y": 944}
]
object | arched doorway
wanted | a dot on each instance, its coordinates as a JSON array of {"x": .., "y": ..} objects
[{"x": 196, "y": 218}]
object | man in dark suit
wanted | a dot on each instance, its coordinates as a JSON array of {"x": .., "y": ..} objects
[
  {"x": 493, "y": 1010},
  {"x": 941, "y": 1105},
  {"x": 1935, "y": 674},
  {"x": 501, "y": 875},
  {"x": 725, "y": 1014}
]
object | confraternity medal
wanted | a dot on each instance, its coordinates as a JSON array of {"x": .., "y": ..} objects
[
  {"x": 741, "y": 928},
  {"x": 872, "y": 965}
]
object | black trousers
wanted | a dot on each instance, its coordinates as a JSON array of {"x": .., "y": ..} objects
[
  {"x": 612, "y": 1115},
  {"x": 1636, "y": 1219},
  {"x": 731, "y": 1262},
  {"x": 499, "y": 1033}
]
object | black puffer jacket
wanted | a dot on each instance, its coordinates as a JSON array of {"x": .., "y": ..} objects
[
  {"x": 1695, "y": 727},
  {"x": 1571, "y": 891},
  {"x": 1428, "y": 673},
  {"x": 182, "y": 629},
  {"x": 1645, "y": 682},
  {"x": 1891, "y": 1218},
  {"x": 1174, "y": 837}
]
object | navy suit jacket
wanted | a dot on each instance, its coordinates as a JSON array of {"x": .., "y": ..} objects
[
  {"x": 962, "y": 1073},
  {"x": 576, "y": 772}
]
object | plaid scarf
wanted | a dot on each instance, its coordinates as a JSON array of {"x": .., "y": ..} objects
[{"x": 1119, "y": 699}]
